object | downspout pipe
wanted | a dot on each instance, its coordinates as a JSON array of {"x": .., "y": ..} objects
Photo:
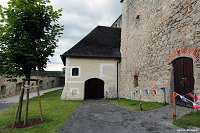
[{"x": 118, "y": 78}]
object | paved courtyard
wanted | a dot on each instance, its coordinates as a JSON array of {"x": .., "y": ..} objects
[{"x": 99, "y": 116}]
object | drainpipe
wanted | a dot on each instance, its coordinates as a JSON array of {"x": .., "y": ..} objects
[{"x": 118, "y": 78}]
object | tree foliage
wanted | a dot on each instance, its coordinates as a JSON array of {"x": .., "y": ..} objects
[
  {"x": 63, "y": 71},
  {"x": 28, "y": 36}
]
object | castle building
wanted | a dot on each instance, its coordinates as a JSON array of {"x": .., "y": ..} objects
[
  {"x": 92, "y": 65},
  {"x": 159, "y": 53},
  {"x": 160, "y": 48}
]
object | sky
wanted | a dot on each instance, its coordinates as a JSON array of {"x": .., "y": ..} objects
[{"x": 79, "y": 17}]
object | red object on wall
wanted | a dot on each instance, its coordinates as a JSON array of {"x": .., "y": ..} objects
[
  {"x": 136, "y": 73},
  {"x": 155, "y": 92},
  {"x": 182, "y": 7}
]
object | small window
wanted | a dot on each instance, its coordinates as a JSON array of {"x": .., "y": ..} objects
[
  {"x": 135, "y": 81},
  {"x": 136, "y": 75},
  {"x": 75, "y": 71},
  {"x": 138, "y": 17}
]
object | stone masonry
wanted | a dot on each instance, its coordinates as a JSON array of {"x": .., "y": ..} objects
[
  {"x": 8, "y": 89},
  {"x": 154, "y": 33}
]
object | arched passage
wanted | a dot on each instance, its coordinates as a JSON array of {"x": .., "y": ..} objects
[
  {"x": 94, "y": 88},
  {"x": 41, "y": 84},
  {"x": 183, "y": 79},
  {"x": 18, "y": 87}
]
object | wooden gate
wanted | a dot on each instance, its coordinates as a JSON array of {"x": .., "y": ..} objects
[
  {"x": 94, "y": 88},
  {"x": 183, "y": 79}
]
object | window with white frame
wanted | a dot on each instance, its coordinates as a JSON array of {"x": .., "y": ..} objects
[{"x": 75, "y": 71}]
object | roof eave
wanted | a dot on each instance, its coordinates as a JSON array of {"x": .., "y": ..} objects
[
  {"x": 63, "y": 57},
  {"x": 82, "y": 56}
]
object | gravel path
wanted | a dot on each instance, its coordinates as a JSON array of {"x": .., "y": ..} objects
[
  {"x": 7, "y": 102},
  {"x": 4, "y": 106},
  {"x": 99, "y": 116}
]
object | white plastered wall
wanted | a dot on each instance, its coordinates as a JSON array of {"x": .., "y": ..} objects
[{"x": 104, "y": 69}]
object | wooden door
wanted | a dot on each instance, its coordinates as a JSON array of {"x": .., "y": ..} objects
[
  {"x": 183, "y": 79},
  {"x": 94, "y": 88}
]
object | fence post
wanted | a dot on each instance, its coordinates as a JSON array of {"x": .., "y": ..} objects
[
  {"x": 27, "y": 102},
  {"x": 140, "y": 102},
  {"x": 174, "y": 100}
]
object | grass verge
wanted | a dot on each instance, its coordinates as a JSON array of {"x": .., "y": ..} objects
[
  {"x": 55, "y": 113},
  {"x": 135, "y": 105},
  {"x": 190, "y": 119}
]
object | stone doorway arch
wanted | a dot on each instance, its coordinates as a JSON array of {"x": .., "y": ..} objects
[{"x": 183, "y": 79}]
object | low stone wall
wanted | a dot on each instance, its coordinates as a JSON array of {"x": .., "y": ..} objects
[{"x": 8, "y": 89}]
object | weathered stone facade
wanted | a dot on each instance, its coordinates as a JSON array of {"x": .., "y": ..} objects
[
  {"x": 154, "y": 33},
  {"x": 13, "y": 88}
]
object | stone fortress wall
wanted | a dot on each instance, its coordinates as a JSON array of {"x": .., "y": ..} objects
[
  {"x": 45, "y": 81},
  {"x": 154, "y": 33}
]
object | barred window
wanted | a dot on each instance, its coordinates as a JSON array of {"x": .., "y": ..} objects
[
  {"x": 75, "y": 71},
  {"x": 135, "y": 81}
]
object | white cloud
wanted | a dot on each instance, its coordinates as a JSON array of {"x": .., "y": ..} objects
[
  {"x": 56, "y": 61},
  {"x": 75, "y": 33},
  {"x": 54, "y": 67},
  {"x": 79, "y": 18},
  {"x": 3, "y": 3}
]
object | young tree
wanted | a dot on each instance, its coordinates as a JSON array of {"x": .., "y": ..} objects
[
  {"x": 28, "y": 36},
  {"x": 63, "y": 71}
]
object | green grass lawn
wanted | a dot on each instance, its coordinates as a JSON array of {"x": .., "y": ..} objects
[
  {"x": 190, "y": 119},
  {"x": 55, "y": 113},
  {"x": 135, "y": 105}
]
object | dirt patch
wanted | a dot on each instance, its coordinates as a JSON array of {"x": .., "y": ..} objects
[{"x": 21, "y": 124}]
